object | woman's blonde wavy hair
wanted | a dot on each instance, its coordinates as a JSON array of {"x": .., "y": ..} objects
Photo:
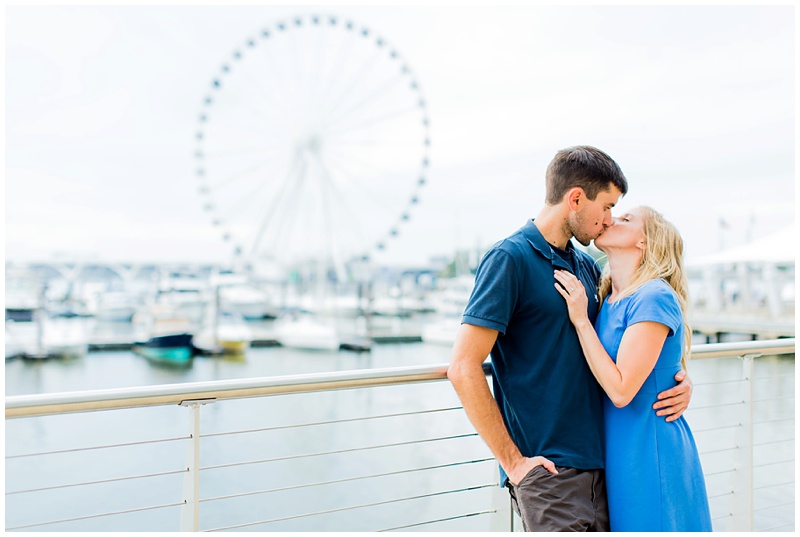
[{"x": 662, "y": 258}]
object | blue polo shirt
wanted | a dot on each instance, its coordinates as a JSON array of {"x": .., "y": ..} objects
[{"x": 550, "y": 402}]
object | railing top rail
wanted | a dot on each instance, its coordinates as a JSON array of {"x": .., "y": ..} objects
[
  {"x": 167, "y": 394},
  {"x": 743, "y": 348}
]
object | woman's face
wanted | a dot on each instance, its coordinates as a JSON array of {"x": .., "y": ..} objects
[{"x": 627, "y": 232}]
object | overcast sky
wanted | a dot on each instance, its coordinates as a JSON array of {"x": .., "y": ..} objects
[{"x": 696, "y": 104}]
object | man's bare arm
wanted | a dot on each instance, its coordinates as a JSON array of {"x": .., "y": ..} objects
[
  {"x": 673, "y": 402},
  {"x": 472, "y": 346}
]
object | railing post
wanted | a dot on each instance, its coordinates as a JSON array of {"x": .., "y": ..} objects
[
  {"x": 190, "y": 513},
  {"x": 742, "y": 504},
  {"x": 503, "y": 520},
  {"x": 515, "y": 520}
]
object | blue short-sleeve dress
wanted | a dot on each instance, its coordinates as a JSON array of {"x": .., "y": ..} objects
[{"x": 653, "y": 474}]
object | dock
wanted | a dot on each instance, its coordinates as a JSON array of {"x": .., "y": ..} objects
[
  {"x": 715, "y": 325},
  {"x": 264, "y": 339}
]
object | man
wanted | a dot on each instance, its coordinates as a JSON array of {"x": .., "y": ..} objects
[{"x": 545, "y": 422}]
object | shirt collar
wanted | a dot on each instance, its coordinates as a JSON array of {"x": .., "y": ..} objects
[{"x": 539, "y": 243}]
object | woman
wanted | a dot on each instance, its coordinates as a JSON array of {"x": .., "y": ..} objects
[{"x": 653, "y": 474}]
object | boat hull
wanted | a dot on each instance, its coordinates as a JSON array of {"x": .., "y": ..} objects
[
  {"x": 212, "y": 347},
  {"x": 234, "y": 347},
  {"x": 66, "y": 351},
  {"x": 174, "y": 349},
  {"x": 20, "y": 315}
]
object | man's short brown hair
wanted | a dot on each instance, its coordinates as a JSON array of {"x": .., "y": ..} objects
[{"x": 583, "y": 166}]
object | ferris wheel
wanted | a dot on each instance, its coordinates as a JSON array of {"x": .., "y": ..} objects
[{"x": 312, "y": 143}]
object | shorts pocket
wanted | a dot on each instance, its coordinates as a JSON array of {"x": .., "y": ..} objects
[{"x": 534, "y": 474}]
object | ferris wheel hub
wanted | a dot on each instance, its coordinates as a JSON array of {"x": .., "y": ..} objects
[{"x": 312, "y": 144}]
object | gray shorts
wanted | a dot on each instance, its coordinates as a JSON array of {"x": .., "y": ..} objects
[{"x": 573, "y": 500}]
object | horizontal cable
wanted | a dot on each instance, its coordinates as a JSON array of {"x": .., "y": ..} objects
[
  {"x": 773, "y": 399},
  {"x": 339, "y": 509},
  {"x": 348, "y": 450},
  {"x": 96, "y": 516},
  {"x": 98, "y": 482},
  {"x": 343, "y": 480},
  {"x": 467, "y": 515},
  {"x": 717, "y": 428},
  {"x": 714, "y": 383},
  {"x": 330, "y": 422},
  {"x": 772, "y": 463},
  {"x": 773, "y": 506},
  {"x": 762, "y": 487},
  {"x": 99, "y": 447},
  {"x": 719, "y": 405},
  {"x": 773, "y": 421},
  {"x": 774, "y": 377},
  {"x": 719, "y": 450},
  {"x": 773, "y": 528},
  {"x": 721, "y": 495},
  {"x": 719, "y": 473},
  {"x": 774, "y": 442}
]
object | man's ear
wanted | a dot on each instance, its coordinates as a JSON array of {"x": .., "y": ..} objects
[{"x": 575, "y": 196}]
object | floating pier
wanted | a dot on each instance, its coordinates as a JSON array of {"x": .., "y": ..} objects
[{"x": 714, "y": 326}]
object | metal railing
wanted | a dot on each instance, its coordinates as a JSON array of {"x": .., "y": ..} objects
[{"x": 454, "y": 466}]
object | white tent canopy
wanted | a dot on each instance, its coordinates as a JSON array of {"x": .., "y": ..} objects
[{"x": 778, "y": 248}]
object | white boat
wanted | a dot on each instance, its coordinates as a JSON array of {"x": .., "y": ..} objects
[
  {"x": 388, "y": 306},
  {"x": 250, "y": 301},
  {"x": 307, "y": 332},
  {"x": 115, "y": 306},
  {"x": 22, "y": 294},
  {"x": 19, "y": 337},
  {"x": 441, "y": 332},
  {"x": 185, "y": 293},
  {"x": 60, "y": 338},
  {"x": 452, "y": 295},
  {"x": 349, "y": 306},
  {"x": 153, "y": 320},
  {"x": 227, "y": 278},
  {"x": 227, "y": 334}
]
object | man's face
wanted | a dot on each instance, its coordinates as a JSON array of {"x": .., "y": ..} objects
[{"x": 593, "y": 217}]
